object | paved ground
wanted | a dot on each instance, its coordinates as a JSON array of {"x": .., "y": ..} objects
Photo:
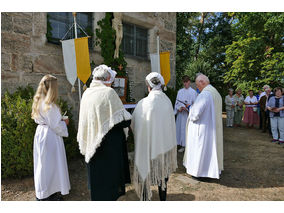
[{"x": 254, "y": 170}]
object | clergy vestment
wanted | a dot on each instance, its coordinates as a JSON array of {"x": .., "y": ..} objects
[
  {"x": 50, "y": 164},
  {"x": 153, "y": 125},
  {"x": 187, "y": 96},
  {"x": 201, "y": 154},
  {"x": 217, "y": 99},
  {"x": 102, "y": 141}
]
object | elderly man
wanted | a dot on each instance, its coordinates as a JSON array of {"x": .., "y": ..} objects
[
  {"x": 259, "y": 96},
  {"x": 204, "y": 140},
  {"x": 263, "y": 109},
  {"x": 264, "y": 91},
  {"x": 153, "y": 125},
  {"x": 102, "y": 139}
]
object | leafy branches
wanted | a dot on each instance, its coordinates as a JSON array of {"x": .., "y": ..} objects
[{"x": 255, "y": 56}]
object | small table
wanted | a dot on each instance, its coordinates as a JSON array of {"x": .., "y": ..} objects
[{"x": 130, "y": 107}]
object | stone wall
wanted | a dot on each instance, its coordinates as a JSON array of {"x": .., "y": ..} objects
[
  {"x": 137, "y": 69},
  {"x": 26, "y": 56}
]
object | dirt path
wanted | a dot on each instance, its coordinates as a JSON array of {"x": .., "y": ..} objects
[{"x": 254, "y": 170}]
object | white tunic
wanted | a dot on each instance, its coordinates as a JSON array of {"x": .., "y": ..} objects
[
  {"x": 187, "y": 96},
  {"x": 200, "y": 157},
  {"x": 217, "y": 99},
  {"x": 50, "y": 164}
]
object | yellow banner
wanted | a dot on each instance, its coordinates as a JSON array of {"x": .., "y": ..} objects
[
  {"x": 165, "y": 66},
  {"x": 82, "y": 59}
]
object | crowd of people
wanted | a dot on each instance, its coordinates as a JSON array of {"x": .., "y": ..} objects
[
  {"x": 194, "y": 124},
  {"x": 264, "y": 111}
]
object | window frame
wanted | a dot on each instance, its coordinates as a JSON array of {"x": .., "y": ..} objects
[
  {"x": 53, "y": 40},
  {"x": 134, "y": 50}
]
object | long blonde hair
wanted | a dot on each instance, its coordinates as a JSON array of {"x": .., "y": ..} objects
[{"x": 47, "y": 91}]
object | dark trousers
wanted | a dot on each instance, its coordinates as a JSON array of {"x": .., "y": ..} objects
[
  {"x": 162, "y": 193},
  {"x": 264, "y": 121},
  {"x": 54, "y": 197},
  {"x": 261, "y": 118}
]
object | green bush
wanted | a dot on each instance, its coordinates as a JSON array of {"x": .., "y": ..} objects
[
  {"x": 71, "y": 144},
  {"x": 18, "y": 131}
]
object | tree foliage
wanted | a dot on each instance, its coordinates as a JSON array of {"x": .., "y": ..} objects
[
  {"x": 201, "y": 44},
  {"x": 256, "y": 56},
  {"x": 243, "y": 50}
]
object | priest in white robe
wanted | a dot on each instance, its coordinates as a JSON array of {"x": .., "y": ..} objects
[
  {"x": 185, "y": 98},
  {"x": 204, "y": 137},
  {"x": 153, "y": 125}
]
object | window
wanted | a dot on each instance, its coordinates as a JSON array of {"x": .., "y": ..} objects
[
  {"x": 59, "y": 23},
  {"x": 135, "y": 40}
]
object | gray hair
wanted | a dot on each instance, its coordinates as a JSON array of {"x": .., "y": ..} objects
[
  {"x": 101, "y": 73},
  {"x": 202, "y": 77},
  {"x": 230, "y": 90},
  {"x": 266, "y": 86}
]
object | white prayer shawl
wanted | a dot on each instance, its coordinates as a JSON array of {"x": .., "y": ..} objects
[
  {"x": 153, "y": 125},
  {"x": 50, "y": 164},
  {"x": 100, "y": 110},
  {"x": 219, "y": 122},
  {"x": 200, "y": 158},
  {"x": 188, "y": 96}
]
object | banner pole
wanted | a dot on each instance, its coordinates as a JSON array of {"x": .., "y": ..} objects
[
  {"x": 79, "y": 83},
  {"x": 158, "y": 51}
]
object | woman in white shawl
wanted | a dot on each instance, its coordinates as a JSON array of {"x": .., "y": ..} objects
[
  {"x": 153, "y": 125},
  {"x": 50, "y": 164},
  {"x": 101, "y": 137}
]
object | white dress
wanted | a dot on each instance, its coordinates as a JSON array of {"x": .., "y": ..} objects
[
  {"x": 50, "y": 164},
  {"x": 200, "y": 157},
  {"x": 187, "y": 96}
]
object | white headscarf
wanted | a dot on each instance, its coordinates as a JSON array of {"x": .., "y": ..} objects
[
  {"x": 101, "y": 71},
  {"x": 152, "y": 75}
]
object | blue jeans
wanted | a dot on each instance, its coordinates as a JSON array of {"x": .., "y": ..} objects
[{"x": 277, "y": 123}]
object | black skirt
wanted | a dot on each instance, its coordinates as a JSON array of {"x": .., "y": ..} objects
[{"x": 108, "y": 169}]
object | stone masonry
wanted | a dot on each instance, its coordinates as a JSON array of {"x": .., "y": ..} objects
[{"x": 26, "y": 56}]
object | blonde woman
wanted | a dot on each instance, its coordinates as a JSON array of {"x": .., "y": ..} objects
[{"x": 50, "y": 164}]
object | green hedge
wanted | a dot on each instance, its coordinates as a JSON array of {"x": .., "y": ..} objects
[{"x": 18, "y": 131}]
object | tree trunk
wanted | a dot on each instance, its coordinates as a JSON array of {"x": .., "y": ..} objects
[{"x": 203, "y": 16}]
